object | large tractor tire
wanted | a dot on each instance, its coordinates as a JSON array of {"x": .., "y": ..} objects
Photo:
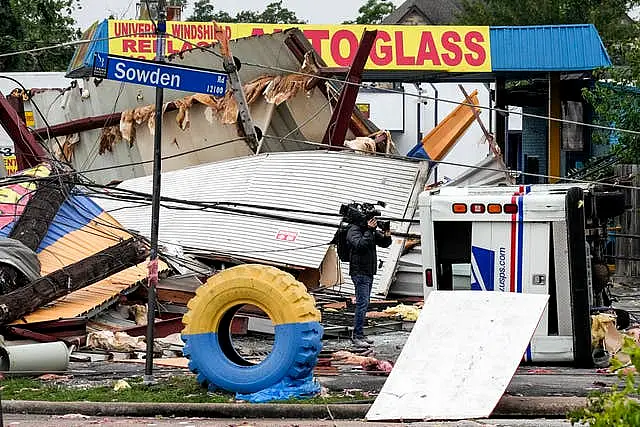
[{"x": 207, "y": 335}]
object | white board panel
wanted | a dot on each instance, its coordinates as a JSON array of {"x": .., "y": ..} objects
[{"x": 460, "y": 356}]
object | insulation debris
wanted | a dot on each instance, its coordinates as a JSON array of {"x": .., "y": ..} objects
[
  {"x": 119, "y": 341},
  {"x": 110, "y": 136},
  {"x": 68, "y": 146},
  {"x": 604, "y": 333},
  {"x": 366, "y": 362},
  {"x": 362, "y": 143},
  {"x": 139, "y": 313},
  {"x": 378, "y": 142},
  {"x": 127, "y": 129},
  {"x": 351, "y": 358},
  {"x": 275, "y": 89},
  {"x": 143, "y": 114},
  {"x": 281, "y": 88},
  {"x": 406, "y": 312},
  {"x": 182, "y": 118},
  {"x": 608, "y": 341},
  {"x": 121, "y": 385}
]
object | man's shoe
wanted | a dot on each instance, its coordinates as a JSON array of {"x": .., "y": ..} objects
[
  {"x": 360, "y": 342},
  {"x": 367, "y": 340}
]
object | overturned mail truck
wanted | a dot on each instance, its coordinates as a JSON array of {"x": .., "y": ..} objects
[{"x": 547, "y": 239}]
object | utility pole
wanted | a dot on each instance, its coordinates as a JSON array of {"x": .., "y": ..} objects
[{"x": 152, "y": 280}]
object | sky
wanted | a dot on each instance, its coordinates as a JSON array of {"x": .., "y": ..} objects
[{"x": 314, "y": 12}]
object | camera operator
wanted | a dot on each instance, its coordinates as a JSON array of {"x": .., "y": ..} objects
[{"x": 363, "y": 262}]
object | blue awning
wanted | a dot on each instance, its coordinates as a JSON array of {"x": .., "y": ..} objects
[
  {"x": 547, "y": 48},
  {"x": 82, "y": 61}
]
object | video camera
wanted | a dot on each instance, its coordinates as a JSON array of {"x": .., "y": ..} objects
[{"x": 360, "y": 213}]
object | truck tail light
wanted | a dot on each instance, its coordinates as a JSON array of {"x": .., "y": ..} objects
[
  {"x": 477, "y": 208},
  {"x": 428, "y": 274},
  {"x": 459, "y": 208},
  {"x": 511, "y": 208},
  {"x": 494, "y": 208}
]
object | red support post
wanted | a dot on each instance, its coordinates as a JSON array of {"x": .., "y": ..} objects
[
  {"x": 86, "y": 124},
  {"x": 28, "y": 151},
  {"x": 339, "y": 123}
]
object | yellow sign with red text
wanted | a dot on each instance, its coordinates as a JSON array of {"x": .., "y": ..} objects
[
  {"x": 10, "y": 164},
  {"x": 397, "y": 47}
]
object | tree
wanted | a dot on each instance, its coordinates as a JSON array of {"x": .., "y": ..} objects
[
  {"x": 203, "y": 11},
  {"x": 373, "y": 12},
  {"x": 274, "y": 13},
  {"x": 11, "y": 32},
  {"x": 610, "y": 17},
  {"x": 616, "y": 104},
  {"x": 38, "y": 23}
]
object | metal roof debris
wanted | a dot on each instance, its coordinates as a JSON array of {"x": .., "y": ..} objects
[
  {"x": 305, "y": 181},
  {"x": 80, "y": 229}
]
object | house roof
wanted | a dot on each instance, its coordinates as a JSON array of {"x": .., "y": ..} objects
[{"x": 435, "y": 12}]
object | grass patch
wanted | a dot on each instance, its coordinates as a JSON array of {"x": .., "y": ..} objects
[
  {"x": 177, "y": 389},
  {"x": 334, "y": 398}
]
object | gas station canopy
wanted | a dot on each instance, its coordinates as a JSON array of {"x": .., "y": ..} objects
[{"x": 400, "y": 52}]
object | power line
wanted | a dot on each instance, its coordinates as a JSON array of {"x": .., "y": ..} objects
[
  {"x": 21, "y": 179},
  {"x": 415, "y": 95},
  {"x": 68, "y": 44},
  {"x": 450, "y": 101},
  {"x": 336, "y": 80},
  {"x": 18, "y": 179},
  {"x": 464, "y": 165}
]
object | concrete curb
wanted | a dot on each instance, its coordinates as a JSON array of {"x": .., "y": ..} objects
[{"x": 509, "y": 406}]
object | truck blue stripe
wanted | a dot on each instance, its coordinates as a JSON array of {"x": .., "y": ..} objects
[{"x": 520, "y": 247}]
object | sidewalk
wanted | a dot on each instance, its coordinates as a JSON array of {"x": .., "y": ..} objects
[{"x": 509, "y": 406}]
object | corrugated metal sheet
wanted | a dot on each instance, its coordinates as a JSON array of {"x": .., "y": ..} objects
[
  {"x": 79, "y": 229},
  {"x": 318, "y": 181},
  {"x": 547, "y": 48},
  {"x": 85, "y": 301},
  {"x": 82, "y": 60}
]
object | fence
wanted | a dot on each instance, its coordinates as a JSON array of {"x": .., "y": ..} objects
[{"x": 627, "y": 245}]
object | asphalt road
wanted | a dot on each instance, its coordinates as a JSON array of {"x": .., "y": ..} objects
[{"x": 74, "y": 420}]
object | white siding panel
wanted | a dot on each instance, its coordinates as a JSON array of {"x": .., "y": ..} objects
[{"x": 317, "y": 181}]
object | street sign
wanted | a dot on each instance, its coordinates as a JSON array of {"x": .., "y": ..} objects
[{"x": 158, "y": 74}]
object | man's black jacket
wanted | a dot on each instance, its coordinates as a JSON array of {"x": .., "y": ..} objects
[{"x": 362, "y": 245}]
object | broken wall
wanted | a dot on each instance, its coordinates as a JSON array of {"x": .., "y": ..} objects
[{"x": 303, "y": 116}]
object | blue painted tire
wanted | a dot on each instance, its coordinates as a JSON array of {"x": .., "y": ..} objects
[{"x": 208, "y": 345}]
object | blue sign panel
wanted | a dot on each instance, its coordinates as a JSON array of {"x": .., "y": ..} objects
[{"x": 156, "y": 74}]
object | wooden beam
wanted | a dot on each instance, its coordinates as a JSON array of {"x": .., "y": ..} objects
[
  {"x": 476, "y": 112},
  {"x": 76, "y": 276},
  {"x": 555, "y": 111},
  {"x": 501, "y": 118},
  {"x": 33, "y": 224}
]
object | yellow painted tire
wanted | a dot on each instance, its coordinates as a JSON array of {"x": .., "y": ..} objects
[{"x": 292, "y": 310}]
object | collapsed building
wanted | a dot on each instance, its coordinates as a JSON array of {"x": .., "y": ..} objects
[
  {"x": 274, "y": 204},
  {"x": 101, "y": 124}
]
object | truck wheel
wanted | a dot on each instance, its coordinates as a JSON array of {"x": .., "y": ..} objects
[
  {"x": 600, "y": 279},
  {"x": 207, "y": 335}
]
